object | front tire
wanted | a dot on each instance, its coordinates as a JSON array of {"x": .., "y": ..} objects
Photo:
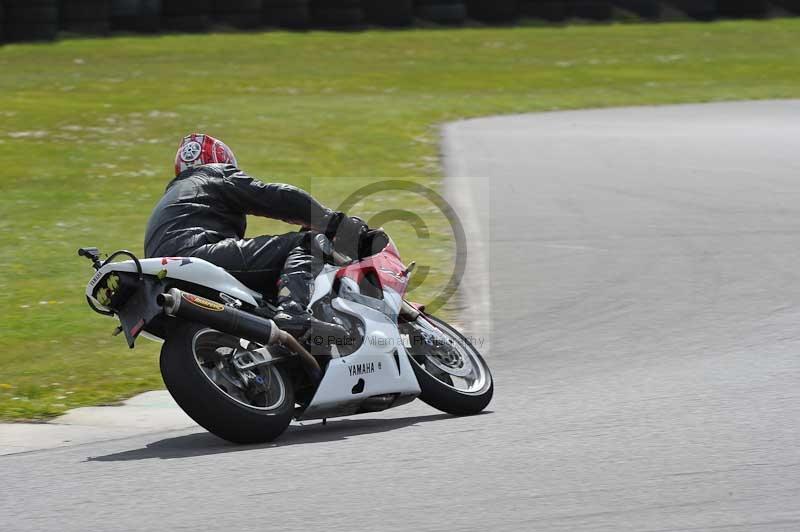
[
  {"x": 459, "y": 382},
  {"x": 192, "y": 366}
]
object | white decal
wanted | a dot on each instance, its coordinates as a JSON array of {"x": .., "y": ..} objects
[{"x": 191, "y": 151}]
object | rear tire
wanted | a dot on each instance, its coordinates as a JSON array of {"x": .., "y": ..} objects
[{"x": 210, "y": 407}]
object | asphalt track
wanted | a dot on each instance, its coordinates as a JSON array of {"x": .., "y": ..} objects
[{"x": 645, "y": 307}]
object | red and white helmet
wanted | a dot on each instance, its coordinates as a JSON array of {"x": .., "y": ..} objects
[{"x": 197, "y": 149}]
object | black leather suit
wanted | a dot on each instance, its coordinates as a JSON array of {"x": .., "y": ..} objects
[{"x": 203, "y": 214}]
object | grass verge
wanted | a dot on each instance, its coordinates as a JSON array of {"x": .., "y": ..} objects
[{"x": 88, "y": 129}]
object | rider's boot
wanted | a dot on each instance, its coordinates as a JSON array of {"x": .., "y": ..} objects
[{"x": 295, "y": 288}]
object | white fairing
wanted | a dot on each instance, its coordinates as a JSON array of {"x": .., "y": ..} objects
[
  {"x": 323, "y": 284},
  {"x": 381, "y": 362},
  {"x": 192, "y": 270}
]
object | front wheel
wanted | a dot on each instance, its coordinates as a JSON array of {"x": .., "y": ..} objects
[
  {"x": 250, "y": 406},
  {"x": 452, "y": 374}
]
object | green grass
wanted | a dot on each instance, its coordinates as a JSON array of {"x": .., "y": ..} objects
[{"x": 88, "y": 129}]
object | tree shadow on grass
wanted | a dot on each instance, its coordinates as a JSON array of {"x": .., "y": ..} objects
[{"x": 205, "y": 443}]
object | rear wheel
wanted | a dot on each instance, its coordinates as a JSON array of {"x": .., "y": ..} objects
[
  {"x": 242, "y": 406},
  {"x": 452, "y": 374}
]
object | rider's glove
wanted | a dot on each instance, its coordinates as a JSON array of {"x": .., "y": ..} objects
[{"x": 347, "y": 235}]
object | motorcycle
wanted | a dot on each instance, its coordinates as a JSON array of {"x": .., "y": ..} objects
[{"x": 234, "y": 372}]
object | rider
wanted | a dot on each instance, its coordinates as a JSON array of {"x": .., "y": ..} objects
[{"x": 203, "y": 214}]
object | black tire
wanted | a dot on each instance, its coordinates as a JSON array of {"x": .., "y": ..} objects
[
  {"x": 418, "y": 3},
  {"x": 85, "y": 9},
  {"x": 185, "y": 8},
  {"x": 549, "y": 11},
  {"x": 269, "y": 4},
  {"x": 187, "y": 23},
  {"x": 142, "y": 16},
  {"x": 446, "y": 398},
  {"x": 89, "y": 17},
  {"x": 590, "y": 10},
  {"x": 2, "y": 22},
  {"x": 391, "y": 13},
  {"x": 446, "y": 14},
  {"x": 87, "y": 27},
  {"x": 497, "y": 11},
  {"x": 211, "y": 408},
  {"x": 648, "y": 9},
  {"x": 151, "y": 8},
  {"x": 337, "y": 17},
  {"x": 25, "y": 4},
  {"x": 25, "y": 31},
  {"x": 30, "y": 20},
  {"x": 792, "y": 6},
  {"x": 241, "y": 21},
  {"x": 237, "y": 6},
  {"x": 125, "y": 8},
  {"x": 743, "y": 8},
  {"x": 335, "y": 4},
  {"x": 137, "y": 23},
  {"x": 295, "y": 16},
  {"x": 241, "y": 14},
  {"x": 704, "y": 10},
  {"x": 32, "y": 15}
]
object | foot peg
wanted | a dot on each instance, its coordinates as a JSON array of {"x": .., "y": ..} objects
[{"x": 300, "y": 324}]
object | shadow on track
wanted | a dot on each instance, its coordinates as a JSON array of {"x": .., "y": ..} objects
[{"x": 205, "y": 443}]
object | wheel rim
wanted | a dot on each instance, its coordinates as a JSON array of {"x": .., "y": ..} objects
[
  {"x": 261, "y": 388},
  {"x": 451, "y": 360}
]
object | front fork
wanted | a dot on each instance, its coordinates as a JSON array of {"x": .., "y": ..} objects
[
  {"x": 410, "y": 312},
  {"x": 431, "y": 334}
]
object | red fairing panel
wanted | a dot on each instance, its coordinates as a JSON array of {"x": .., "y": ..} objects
[{"x": 387, "y": 266}]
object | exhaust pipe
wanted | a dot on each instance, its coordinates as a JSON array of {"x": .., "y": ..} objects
[{"x": 229, "y": 320}]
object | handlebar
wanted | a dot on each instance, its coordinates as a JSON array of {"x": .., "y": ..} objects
[
  {"x": 367, "y": 246},
  {"x": 340, "y": 259}
]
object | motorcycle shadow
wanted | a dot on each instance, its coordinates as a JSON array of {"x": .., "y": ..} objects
[{"x": 205, "y": 443}]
